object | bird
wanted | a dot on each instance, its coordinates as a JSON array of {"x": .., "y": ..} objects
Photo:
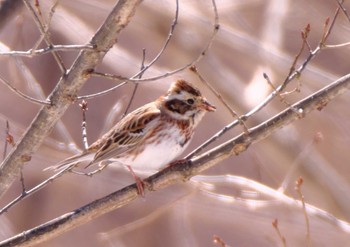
[{"x": 150, "y": 137}]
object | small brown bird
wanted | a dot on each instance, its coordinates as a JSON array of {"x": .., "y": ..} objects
[{"x": 152, "y": 136}]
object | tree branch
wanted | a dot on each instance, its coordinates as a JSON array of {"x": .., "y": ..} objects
[
  {"x": 182, "y": 171},
  {"x": 65, "y": 91}
]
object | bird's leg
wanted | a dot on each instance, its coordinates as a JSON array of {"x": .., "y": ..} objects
[
  {"x": 139, "y": 183},
  {"x": 102, "y": 165}
]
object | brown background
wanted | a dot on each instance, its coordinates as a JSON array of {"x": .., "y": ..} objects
[{"x": 230, "y": 200}]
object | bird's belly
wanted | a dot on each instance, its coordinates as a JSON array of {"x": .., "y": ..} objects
[{"x": 156, "y": 154}]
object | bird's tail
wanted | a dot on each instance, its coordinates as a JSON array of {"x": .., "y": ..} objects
[{"x": 71, "y": 162}]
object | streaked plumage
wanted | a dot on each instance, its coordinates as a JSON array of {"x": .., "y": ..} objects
[{"x": 153, "y": 135}]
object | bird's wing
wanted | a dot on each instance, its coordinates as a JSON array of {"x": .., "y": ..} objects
[
  {"x": 126, "y": 134},
  {"x": 129, "y": 132}
]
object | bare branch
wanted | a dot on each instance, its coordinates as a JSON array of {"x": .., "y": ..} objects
[
  {"x": 43, "y": 32},
  {"x": 337, "y": 46},
  {"x": 201, "y": 78},
  {"x": 298, "y": 185},
  {"x": 64, "y": 93},
  {"x": 281, "y": 237},
  {"x": 27, "y": 193},
  {"x": 328, "y": 28},
  {"x": 180, "y": 172},
  {"x": 22, "y": 95},
  {"x": 170, "y": 35},
  {"x": 53, "y": 48},
  {"x": 294, "y": 74},
  {"x": 136, "y": 84},
  {"x": 341, "y": 6},
  {"x": 84, "y": 108},
  {"x": 8, "y": 139},
  {"x": 233, "y": 113},
  {"x": 164, "y": 75},
  {"x": 144, "y": 67}
]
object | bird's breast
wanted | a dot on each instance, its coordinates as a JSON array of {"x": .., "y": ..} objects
[{"x": 163, "y": 145}]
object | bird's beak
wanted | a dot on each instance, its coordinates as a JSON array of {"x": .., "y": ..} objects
[{"x": 207, "y": 106}]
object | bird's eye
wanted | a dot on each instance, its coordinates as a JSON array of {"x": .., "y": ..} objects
[{"x": 190, "y": 101}]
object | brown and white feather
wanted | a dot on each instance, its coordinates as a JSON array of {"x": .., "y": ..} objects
[{"x": 153, "y": 135}]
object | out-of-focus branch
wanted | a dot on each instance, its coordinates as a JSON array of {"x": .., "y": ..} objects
[
  {"x": 65, "y": 91},
  {"x": 49, "y": 49},
  {"x": 44, "y": 30},
  {"x": 22, "y": 95},
  {"x": 182, "y": 171},
  {"x": 9, "y": 9},
  {"x": 293, "y": 74},
  {"x": 136, "y": 79}
]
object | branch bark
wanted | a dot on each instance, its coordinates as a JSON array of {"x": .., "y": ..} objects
[
  {"x": 65, "y": 91},
  {"x": 182, "y": 171}
]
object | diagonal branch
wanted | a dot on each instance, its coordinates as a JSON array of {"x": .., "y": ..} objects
[
  {"x": 182, "y": 171},
  {"x": 65, "y": 91},
  {"x": 44, "y": 32},
  {"x": 22, "y": 95}
]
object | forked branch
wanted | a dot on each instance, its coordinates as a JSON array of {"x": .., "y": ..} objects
[{"x": 64, "y": 93}]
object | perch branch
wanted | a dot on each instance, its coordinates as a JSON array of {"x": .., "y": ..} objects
[{"x": 182, "y": 171}]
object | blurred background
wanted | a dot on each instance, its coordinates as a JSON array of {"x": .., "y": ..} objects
[{"x": 239, "y": 198}]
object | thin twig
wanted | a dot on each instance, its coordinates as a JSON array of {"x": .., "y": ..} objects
[
  {"x": 27, "y": 193},
  {"x": 281, "y": 237},
  {"x": 343, "y": 9},
  {"x": 201, "y": 78},
  {"x": 298, "y": 185},
  {"x": 304, "y": 36},
  {"x": 282, "y": 98},
  {"x": 167, "y": 41},
  {"x": 336, "y": 46},
  {"x": 330, "y": 27},
  {"x": 53, "y": 48},
  {"x": 145, "y": 67},
  {"x": 218, "y": 95},
  {"x": 84, "y": 108},
  {"x": 305, "y": 152},
  {"x": 136, "y": 84},
  {"x": 46, "y": 26},
  {"x": 22, "y": 183},
  {"x": 164, "y": 75},
  {"x": 269, "y": 98},
  {"x": 99, "y": 169},
  {"x": 179, "y": 172},
  {"x": 219, "y": 241},
  {"x": 8, "y": 139},
  {"x": 37, "y": 6},
  {"x": 22, "y": 95},
  {"x": 101, "y": 93},
  {"x": 43, "y": 32}
]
